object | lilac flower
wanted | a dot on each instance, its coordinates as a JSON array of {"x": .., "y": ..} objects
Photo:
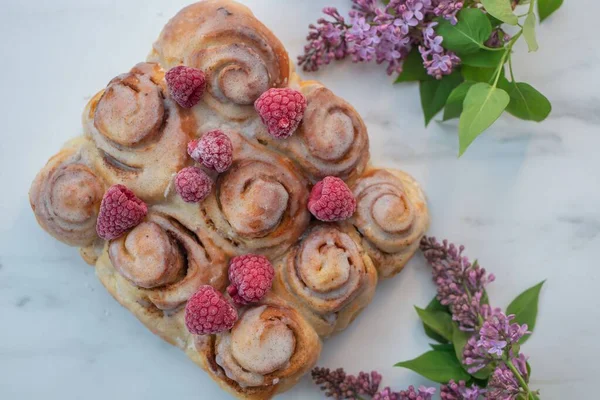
[
  {"x": 520, "y": 362},
  {"x": 460, "y": 391},
  {"x": 386, "y": 394},
  {"x": 497, "y": 347},
  {"x": 503, "y": 384},
  {"x": 498, "y": 38},
  {"x": 448, "y": 9},
  {"x": 364, "y": 37},
  {"x": 468, "y": 311},
  {"x": 339, "y": 385},
  {"x": 499, "y": 327},
  {"x": 330, "y": 381},
  {"x": 384, "y": 33},
  {"x": 326, "y": 41},
  {"x": 366, "y": 7},
  {"x": 364, "y": 383},
  {"x": 423, "y": 393},
  {"x": 406, "y": 21},
  {"x": 460, "y": 284},
  {"x": 441, "y": 64},
  {"x": 495, "y": 339}
]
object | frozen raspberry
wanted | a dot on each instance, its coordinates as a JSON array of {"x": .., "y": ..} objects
[
  {"x": 192, "y": 184},
  {"x": 208, "y": 312},
  {"x": 186, "y": 85},
  {"x": 120, "y": 210},
  {"x": 214, "y": 150},
  {"x": 251, "y": 277},
  {"x": 281, "y": 110},
  {"x": 331, "y": 200}
]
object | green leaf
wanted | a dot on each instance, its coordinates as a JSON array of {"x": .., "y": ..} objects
[
  {"x": 442, "y": 347},
  {"x": 438, "y": 366},
  {"x": 485, "y": 298},
  {"x": 528, "y": 368},
  {"x": 501, "y": 9},
  {"x": 494, "y": 21},
  {"x": 547, "y": 7},
  {"x": 483, "y": 59},
  {"x": 467, "y": 36},
  {"x": 482, "y": 107},
  {"x": 526, "y": 102},
  {"x": 413, "y": 69},
  {"x": 477, "y": 74},
  {"x": 529, "y": 32},
  {"x": 439, "y": 321},
  {"x": 434, "y": 94},
  {"x": 525, "y": 308},
  {"x": 484, "y": 373},
  {"x": 435, "y": 305},
  {"x": 459, "y": 340},
  {"x": 454, "y": 104}
]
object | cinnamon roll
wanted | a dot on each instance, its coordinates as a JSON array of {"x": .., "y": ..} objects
[
  {"x": 331, "y": 140},
  {"x": 157, "y": 266},
  {"x": 259, "y": 204},
  {"x": 66, "y": 194},
  {"x": 391, "y": 215},
  {"x": 265, "y": 353},
  {"x": 240, "y": 56},
  {"x": 140, "y": 136},
  {"x": 328, "y": 277}
]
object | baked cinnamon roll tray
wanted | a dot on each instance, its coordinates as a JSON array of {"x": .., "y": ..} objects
[{"x": 136, "y": 134}]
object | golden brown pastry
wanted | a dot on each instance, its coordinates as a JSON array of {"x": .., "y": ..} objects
[
  {"x": 65, "y": 196},
  {"x": 241, "y": 57},
  {"x": 259, "y": 204},
  {"x": 135, "y": 134},
  {"x": 140, "y": 134},
  {"x": 331, "y": 140},
  {"x": 391, "y": 215},
  {"x": 327, "y": 276},
  {"x": 268, "y": 350},
  {"x": 155, "y": 268}
]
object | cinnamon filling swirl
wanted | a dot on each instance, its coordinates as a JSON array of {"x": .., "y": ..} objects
[{"x": 166, "y": 260}]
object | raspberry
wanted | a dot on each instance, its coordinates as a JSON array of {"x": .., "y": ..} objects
[
  {"x": 192, "y": 184},
  {"x": 120, "y": 210},
  {"x": 331, "y": 200},
  {"x": 208, "y": 312},
  {"x": 214, "y": 150},
  {"x": 186, "y": 85},
  {"x": 281, "y": 110},
  {"x": 251, "y": 277}
]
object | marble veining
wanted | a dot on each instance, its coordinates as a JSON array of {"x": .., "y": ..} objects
[{"x": 524, "y": 200}]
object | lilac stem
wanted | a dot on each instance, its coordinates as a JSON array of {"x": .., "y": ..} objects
[{"x": 517, "y": 374}]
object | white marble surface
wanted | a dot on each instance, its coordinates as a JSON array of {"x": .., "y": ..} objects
[{"x": 524, "y": 199}]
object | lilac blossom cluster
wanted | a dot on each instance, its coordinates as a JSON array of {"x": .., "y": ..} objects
[
  {"x": 460, "y": 391},
  {"x": 386, "y": 34},
  {"x": 339, "y": 385},
  {"x": 495, "y": 339},
  {"x": 460, "y": 283}
]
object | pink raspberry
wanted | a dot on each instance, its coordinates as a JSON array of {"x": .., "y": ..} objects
[
  {"x": 192, "y": 184},
  {"x": 120, "y": 210},
  {"x": 281, "y": 110},
  {"x": 208, "y": 312},
  {"x": 186, "y": 85},
  {"x": 214, "y": 150},
  {"x": 251, "y": 277},
  {"x": 331, "y": 200}
]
